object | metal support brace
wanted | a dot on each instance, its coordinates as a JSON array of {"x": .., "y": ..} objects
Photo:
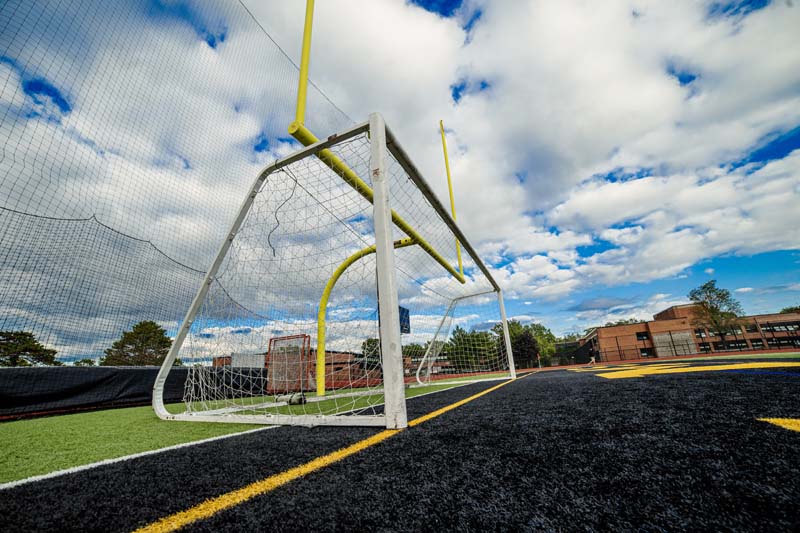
[{"x": 510, "y": 354}]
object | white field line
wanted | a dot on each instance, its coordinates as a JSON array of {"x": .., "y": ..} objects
[{"x": 104, "y": 462}]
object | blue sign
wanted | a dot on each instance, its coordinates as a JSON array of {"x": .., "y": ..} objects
[{"x": 405, "y": 320}]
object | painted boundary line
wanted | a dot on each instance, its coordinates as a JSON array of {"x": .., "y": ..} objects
[
  {"x": 652, "y": 370},
  {"x": 220, "y": 503},
  {"x": 792, "y": 424},
  {"x": 112, "y": 460}
]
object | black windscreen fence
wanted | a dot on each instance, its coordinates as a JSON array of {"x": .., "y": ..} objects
[{"x": 36, "y": 391}]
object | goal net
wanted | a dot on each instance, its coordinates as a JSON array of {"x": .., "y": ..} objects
[
  {"x": 322, "y": 309},
  {"x": 467, "y": 344}
]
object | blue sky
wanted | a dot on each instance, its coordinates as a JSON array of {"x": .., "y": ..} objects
[
  {"x": 606, "y": 158},
  {"x": 763, "y": 282}
]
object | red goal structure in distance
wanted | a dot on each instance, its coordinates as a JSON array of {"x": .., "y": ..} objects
[{"x": 289, "y": 365}]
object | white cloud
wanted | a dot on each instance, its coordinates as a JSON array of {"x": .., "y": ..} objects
[
  {"x": 709, "y": 271},
  {"x": 158, "y": 144},
  {"x": 641, "y": 310},
  {"x": 744, "y": 289},
  {"x": 609, "y": 69}
]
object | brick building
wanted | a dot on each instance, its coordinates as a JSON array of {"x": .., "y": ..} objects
[{"x": 672, "y": 333}]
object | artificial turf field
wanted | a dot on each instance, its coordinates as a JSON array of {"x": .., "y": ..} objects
[{"x": 559, "y": 450}]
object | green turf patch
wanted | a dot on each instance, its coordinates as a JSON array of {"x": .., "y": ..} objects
[{"x": 43, "y": 445}]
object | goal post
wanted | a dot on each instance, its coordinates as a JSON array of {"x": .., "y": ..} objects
[
  {"x": 314, "y": 276},
  {"x": 389, "y": 327}
]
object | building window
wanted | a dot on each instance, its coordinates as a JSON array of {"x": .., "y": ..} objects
[
  {"x": 780, "y": 342},
  {"x": 704, "y": 347},
  {"x": 700, "y": 333},
  {"x": 645, "y": 352},
  {"x": 781, "y": 326},
  {"x": 751, "y": 328},
  {"x": 641, "y": 336},
  {"x": 756, "y": 343}
]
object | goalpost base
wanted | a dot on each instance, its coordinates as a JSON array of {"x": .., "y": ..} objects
[{"x": 287, "y": 420}]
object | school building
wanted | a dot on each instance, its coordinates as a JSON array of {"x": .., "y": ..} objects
[{"x": 673, "y": 333}]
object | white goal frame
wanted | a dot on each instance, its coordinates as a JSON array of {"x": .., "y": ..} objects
[{"x": 394, "y": 415}]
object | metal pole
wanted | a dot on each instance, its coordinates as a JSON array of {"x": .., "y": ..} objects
[
  {"x": 432, "y": 346},
  {"x": 511, "y": 368},
  {"x": 391, "y": 352},
  {"x": 305, "y": 56},
  {"x": 166, "y": 366},
  {"x": 450, "y": 189},
  {"x": 402, "y": 158}
]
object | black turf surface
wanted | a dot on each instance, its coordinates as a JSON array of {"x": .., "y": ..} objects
[{"x": 556, "y": 451}]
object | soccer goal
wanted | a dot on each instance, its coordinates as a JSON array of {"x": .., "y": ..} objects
[{"x": 336, "y": 290}]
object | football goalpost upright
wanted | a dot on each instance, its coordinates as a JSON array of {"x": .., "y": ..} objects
[{"x": 334, "y": 291}]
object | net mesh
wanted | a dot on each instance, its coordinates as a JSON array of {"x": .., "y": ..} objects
[
  {"x": 129, "y": 135},
  {"x": 456, "y": 329},
  {"x": 305, "y": 221},
  {"x": 129, "y": 132},
  {"x": 301, "y": 268}
]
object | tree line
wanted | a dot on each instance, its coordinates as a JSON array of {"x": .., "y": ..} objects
[
  {"x": 146, "y": 344},
  {"x": 530, "y": 344}
]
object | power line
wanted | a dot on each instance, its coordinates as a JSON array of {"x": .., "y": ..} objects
[{"x": 293, "y": 63}]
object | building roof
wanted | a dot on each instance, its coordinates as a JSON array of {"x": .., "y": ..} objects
[{"x": 678, "y": 306}]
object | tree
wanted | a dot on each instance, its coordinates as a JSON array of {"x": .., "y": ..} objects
[
  {"x": 792, "y": 309},
  {"x": 371, "y": 349},
  {"x": 570, "y": 337},
  {"x": 414, "y": 351},
  {"x": 515, "y": 332},
  {"x": 146, "y": 344},
  {"x": 84, "y": 362},
  {"x": 545, "y": 339},
  {"x": 466, "y": 348},
  {"x": 525, "y": 349},
  {"x": 20, "y": 348},
  {"x": 528, "y": 342},
  {"x": 716, "y": 309}
]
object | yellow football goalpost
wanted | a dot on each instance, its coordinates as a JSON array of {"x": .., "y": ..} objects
[{"x": 298, "y": 130}]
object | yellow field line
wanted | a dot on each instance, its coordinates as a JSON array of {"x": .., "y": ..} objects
[
  {"x": 648, "y": 370},
  {"x": 452, "y": 406},
  {"x": 792, "y": 424},
  {"x": 213, "y": 506},
  {"x": 618, "y": 368}
]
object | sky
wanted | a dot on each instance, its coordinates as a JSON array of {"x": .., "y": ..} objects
[{"x": 606, "y": 157}]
